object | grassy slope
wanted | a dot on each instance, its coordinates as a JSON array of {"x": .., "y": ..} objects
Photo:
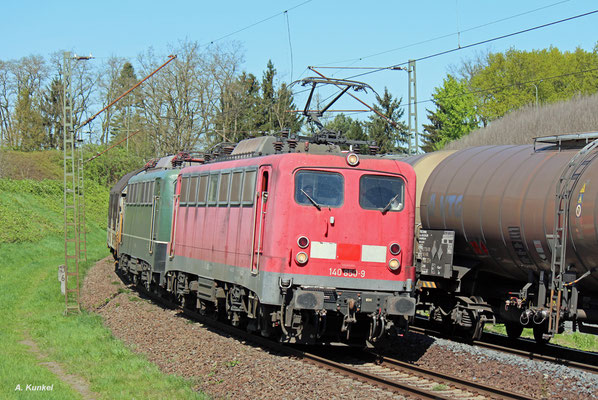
[
  {"x": 31, "y": 248},
  {"x": 574, "y": 340}
]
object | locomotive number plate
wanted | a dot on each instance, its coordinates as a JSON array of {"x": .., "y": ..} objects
[{"x": 347, "y": 272}]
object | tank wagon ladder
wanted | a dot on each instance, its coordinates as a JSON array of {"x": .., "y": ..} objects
[{"x": 564, "y": 191}]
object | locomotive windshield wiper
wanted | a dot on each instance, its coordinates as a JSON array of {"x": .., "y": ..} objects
[
  {"x": 385, "y": 209},
  {"x": 312, "y": 200}
]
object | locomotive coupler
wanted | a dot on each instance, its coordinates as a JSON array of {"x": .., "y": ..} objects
[
  {"x": 349, "y": 318},
  {"x": 320, "y": 323},
  {"x": 377, "y": 326}
]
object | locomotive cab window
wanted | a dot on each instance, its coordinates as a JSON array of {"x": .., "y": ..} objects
[
  {"x": 249, "y": 187},
  {"x": 319, "y": 189},
  {"x": 384, "y": 193}
]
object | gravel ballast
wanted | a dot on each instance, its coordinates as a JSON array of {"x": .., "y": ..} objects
[{"x": 226, "y": 367}]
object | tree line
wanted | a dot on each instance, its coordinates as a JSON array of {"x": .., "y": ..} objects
[
  {"x": 486, "y": 88},
  {"x": 201, "y": 98}
]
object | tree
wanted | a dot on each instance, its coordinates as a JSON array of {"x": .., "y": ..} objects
[
  {"x": 455, "y": 114},
  {"x": 51, "y": 111},
  {"x": 7, "y": 100},
  {"x": 284, "y": 109},
  {"x": 125, "y": 117},
  {"x": 29, "y": 126},
  {"x": 237, "y": 116},
  {"x": 180, "y": 103},
  {"x": 348, "y": 127},
  {"x": 507, "y": 81},
  {"x": 248, "y": 107},
  {"x": 389, "y": 137},
  {"x": 267, "y": 100}
]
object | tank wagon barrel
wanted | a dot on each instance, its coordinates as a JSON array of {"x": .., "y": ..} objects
[{"x": 515, "y": 211}]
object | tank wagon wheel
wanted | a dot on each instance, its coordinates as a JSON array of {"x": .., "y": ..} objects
[
  {"x": 514, "y": 329},
  {"x": 539, "y": 331}
]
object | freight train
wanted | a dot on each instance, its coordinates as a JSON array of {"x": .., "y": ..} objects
[
  {"x": 292, "y": 238},
  {"x": 285, "y": 237},
  {"x": 510, "y": 234}
]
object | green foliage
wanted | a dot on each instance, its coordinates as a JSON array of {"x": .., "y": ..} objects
[
  {"x": 509, "y": 80},
  {"x": 505, "y": 82},
  {"x": 348, "y": 127},
  {"x": 51, "y": 110},
  {"x": 454, "y": 117},
  {"x": 31, "y": 210},
  {"x": 390, "y": 138},
  {"x": 575, "y": 340},
  {"x": 36, "y": 165},
  {"x": 248, "y": 107},
  {"x": 108, "y": 168},
  {"x": 29, "y": 123}
]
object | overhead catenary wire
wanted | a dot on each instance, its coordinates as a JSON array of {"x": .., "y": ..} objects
[
  {"x": 398, "y": 66},
  {"x": 444, "y": 52},
  {"x": 327, "y": 65},
  {"x": 290, "y": 44},
  {"x": 257, "y": 23}
]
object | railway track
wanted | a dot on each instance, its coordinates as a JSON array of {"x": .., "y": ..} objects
[
  {"x": 584, "y": 361},
  {"x": 395, "y": 376},
  {"x": 406, "y": 379}
]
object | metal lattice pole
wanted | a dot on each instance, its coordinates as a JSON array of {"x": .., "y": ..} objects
[
  {"x": 412, "y": 110},
  {"x": 71, "y": 194}
]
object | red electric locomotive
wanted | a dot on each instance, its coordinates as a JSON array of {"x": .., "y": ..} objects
[{"x": 297, "y": 240}]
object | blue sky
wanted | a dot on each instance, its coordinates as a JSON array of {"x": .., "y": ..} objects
[{"x": 322, "y": 33}]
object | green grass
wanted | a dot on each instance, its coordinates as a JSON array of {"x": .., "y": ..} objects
[
  {"x": 32, "y": 306},
  {"x": 576, "y": 340}
]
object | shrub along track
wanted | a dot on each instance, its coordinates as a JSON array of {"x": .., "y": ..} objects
[{"x": 225, "y": 366}]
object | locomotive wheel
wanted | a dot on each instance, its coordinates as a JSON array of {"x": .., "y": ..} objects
[{"x": 514, "y": 330}]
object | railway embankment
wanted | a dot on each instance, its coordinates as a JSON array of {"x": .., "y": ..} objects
[{"x": 44, "y": 354}]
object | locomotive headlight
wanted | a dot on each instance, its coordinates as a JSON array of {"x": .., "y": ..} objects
[
  {"x": 302, "y": 242},
  {"x": 301, "y": 258},
  {"x": 394, "y": 264},
  {"x": 352, "y": 159},
  {"x": 394, "y": 249}
]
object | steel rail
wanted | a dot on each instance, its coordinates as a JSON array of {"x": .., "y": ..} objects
[
  {"x": 460, "y": 383},
  {"x": 568, "y": 361}
]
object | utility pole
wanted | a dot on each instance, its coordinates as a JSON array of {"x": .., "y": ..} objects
[{"x": 412, "y": 110}]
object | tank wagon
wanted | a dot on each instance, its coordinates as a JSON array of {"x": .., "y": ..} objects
[
  {"x": 288, "y": 237},
  {"x": 510, "y": 234}
]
